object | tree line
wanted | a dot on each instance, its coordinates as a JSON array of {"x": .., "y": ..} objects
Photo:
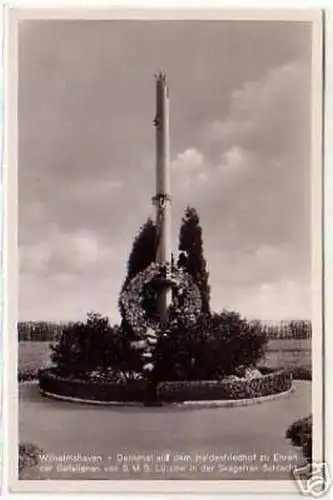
[{"x": 44, "y": 331}]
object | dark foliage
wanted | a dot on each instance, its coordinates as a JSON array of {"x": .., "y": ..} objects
[
  {"x": 300, "y": 434},
  {"x": 143, "y": 250},
  {"x": 27, "y": 375},
  {"x": 191, "y": 257},
  {"x": 93, "y": 345},
  {"x": 52, "y": 383},
  {"x": 294, "y": 329},
  {"x": 143, "y": 253},
  {"x": 204, "y": 390},
  {"x": 298, "y": 372},
  {"x": 39, "y": 331},
  {"x": 234, "y": 342},
  {"x": 28, "y": 456},
  {"x": 215, "y": 346}
]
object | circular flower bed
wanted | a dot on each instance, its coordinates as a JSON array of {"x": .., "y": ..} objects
[{"x": 135, "y": 391}]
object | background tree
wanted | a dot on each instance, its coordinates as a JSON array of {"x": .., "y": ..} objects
[
  {"x": 191, "y": 257},
  {"x": 143, "y": 250},
  {"x": 39, "y": 331},
  {"x": 143, "y": 253}
]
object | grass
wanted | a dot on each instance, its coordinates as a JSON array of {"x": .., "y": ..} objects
[
  {"x": 290, "y": 344},
  {"x": 33, "y": 355},
  {"x": 291, "y": 353}
]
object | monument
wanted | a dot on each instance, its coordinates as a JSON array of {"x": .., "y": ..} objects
[
  {"x": 161, "y": 306},
  {"x": 175, "y": 293}
]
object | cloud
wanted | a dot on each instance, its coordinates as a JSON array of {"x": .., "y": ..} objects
[
  {"x": 240, "y": 128},
  {"x": 282, "y": 299},
  {"x": 190, "y": 160},
  {"x": 195, "y": 174},
  {"x": 63, "y": 254},
  {"x": 234, "y": 162},
  {"x": 93, "y": 190},
  {"x": 190, "y": 172},
  {"x": 269, "y": 115}
]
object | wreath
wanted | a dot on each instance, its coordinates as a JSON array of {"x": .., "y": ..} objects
[{"x": 186, "y": 298}]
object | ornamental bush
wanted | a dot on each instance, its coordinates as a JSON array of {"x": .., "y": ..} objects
[
  {"x": 202, "y": 347},
  {"x": 93, "y": 345},
  {"x": 212, "y": 348},
  {"x": 298, "y": 372},
  {"x": 300, "y": 434},
  {"x": 27, "y": 375},
  {"x": 28, "y": 456},
  {"x": 233, "y": 343}
]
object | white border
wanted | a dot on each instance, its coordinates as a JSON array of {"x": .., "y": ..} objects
[
  {"x": 328, "y": 242},
  {"x": 11, "y": 252}
]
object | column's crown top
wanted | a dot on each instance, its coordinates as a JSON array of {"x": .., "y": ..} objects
[{"x": 161, "y": 76}]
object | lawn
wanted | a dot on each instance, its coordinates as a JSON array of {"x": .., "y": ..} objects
[
  {"x": 289, "y": 353},
  {"x": 33, "y": 355}
]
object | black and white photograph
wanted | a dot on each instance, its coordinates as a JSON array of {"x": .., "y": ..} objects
[{"x": 166, "y": 234}]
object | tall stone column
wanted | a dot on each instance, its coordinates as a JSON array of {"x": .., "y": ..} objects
[{"x": 162, "y": 199}]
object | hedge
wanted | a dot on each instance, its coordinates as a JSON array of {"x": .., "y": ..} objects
[
  {"x": 88, "y": 390},
  {"x": 136, "y": 391},
  {"x": 27, "y": 375},
  {"x": 298, "y": 372},
  {"x": 206, "y": 390},
  {"x": 300, "y": 434}
]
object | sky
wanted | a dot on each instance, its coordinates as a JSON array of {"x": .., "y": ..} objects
[{"x": 240, "y": 154}]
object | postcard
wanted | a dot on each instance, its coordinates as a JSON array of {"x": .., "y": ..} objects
[{"x": 165, "y": 320}]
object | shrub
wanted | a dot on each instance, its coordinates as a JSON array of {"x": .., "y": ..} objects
[
  {"x": 298, "y": 372},
  {"x": 181, "y": 353},
  {"x": 93, "y": 345},
  {"x": 233, "y": 342},
  {"x": 28, "y": 456},
  {"x": 300, "y": 434},
  {"x": 27, "y": 375},
  {"x": 301, "y": 373},
  {"x": 212, "y": 348}
]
